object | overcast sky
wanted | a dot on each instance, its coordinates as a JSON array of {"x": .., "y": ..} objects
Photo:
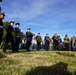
[{"x": 44, "y": 16}]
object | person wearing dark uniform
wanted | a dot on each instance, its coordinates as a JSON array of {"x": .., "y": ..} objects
[
  {"x": 55, "y": 42},
  {"x": 66, "y": 41},
  {"x": 29, "y": 36},
  {"x": 17, "y": 38},
  {"x": 38, "y": 40},
  {"x": 9, "y": 36},
  {"x": 75, "y": 45},
  {"x": 2, "y": 15},
  {"x": 47, "y": 41}
]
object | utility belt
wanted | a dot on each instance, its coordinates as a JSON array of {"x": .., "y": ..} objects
[{"x": 1, "y": 26}]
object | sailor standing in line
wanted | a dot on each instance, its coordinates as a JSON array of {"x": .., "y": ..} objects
[
  {"x": 47, "y": 41},
  {"x": 2, "y": 15},
  {"x": 17, "y": 38},
  {"x": 29, "y": 36},
  {"x": 9, "y": 36},
  {"x": 38, "y": 40}
]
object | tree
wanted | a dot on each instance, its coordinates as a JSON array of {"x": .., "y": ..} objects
[{"x": 4, "y": 33}]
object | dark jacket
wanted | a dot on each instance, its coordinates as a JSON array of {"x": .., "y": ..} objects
[
  {"x": 9, "y": 31},
  {"x": 17, "y": 30},
  {"x": 46, "y": 40},
  {"x": 1, "y": 28},
  {"x": 28, "y": 37}
]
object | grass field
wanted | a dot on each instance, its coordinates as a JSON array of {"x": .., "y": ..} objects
[{"x": 37, "y": 63}]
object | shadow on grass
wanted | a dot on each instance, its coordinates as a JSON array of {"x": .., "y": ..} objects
[{"x": 57, "y": 69}]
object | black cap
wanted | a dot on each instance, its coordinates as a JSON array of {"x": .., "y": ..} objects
[
  {"x": 47, "y": 34},
  {"x": 17, "y": 24},
  {"x": 28, "y": 28},
  {"x": 12, "y": 21},
  {"x": 38, "y": 33},
  {"x": 2, "y": 13}
]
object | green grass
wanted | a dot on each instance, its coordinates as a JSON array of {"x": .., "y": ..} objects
[{"x": 37, "y": 63}]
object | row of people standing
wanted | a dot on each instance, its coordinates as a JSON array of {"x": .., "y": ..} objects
[
  {"x": 67, "y": 44},
  {"x": 11, "y": 36},
  {"x": 29, "y": 36},
  {"x": 70, "y": 44},
  {"x": 58, "y": 44},
  {"x": 37, "y": 39},
  {"x": 15, "y": 41},
  {"x": 56, "y": 41}
]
